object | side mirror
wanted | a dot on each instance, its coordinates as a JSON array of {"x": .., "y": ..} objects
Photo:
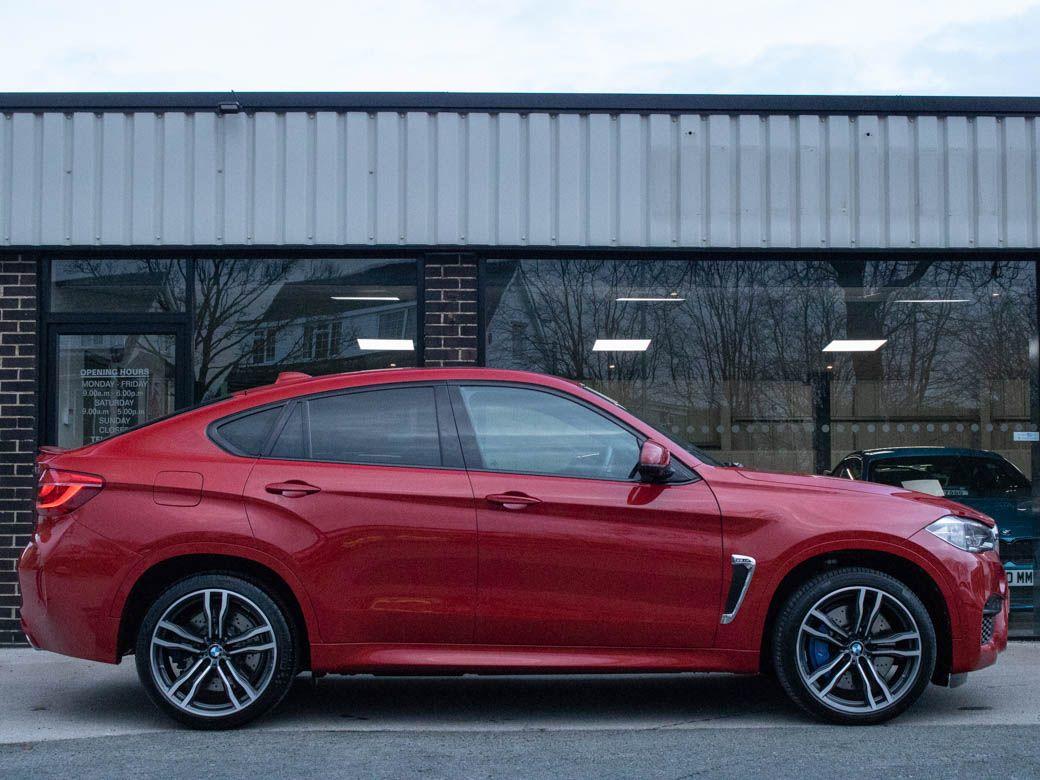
[{"x": 655, "y": 462}]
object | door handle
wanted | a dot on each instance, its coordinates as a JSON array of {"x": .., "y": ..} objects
[
  {"x": 294, "y": 488},
  {"x": 512, "y": 500}
]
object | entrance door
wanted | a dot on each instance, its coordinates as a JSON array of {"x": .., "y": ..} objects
[{"x": 105, "y": 379}]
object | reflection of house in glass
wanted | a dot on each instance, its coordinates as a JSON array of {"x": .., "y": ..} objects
[
  {"x": 314, "y": 325},
  {"x": 145, "y": 286}
]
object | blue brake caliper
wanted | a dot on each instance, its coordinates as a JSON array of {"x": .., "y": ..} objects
[{"x": 819, "y": 652}]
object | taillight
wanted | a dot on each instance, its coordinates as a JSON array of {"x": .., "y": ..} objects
[{"x": 59, "y": 491}]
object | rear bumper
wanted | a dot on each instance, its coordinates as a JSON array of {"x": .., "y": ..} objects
[{"x": 67, "y": 574}]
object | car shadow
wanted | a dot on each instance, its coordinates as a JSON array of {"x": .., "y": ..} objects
[{"x": 585, "y": 701}]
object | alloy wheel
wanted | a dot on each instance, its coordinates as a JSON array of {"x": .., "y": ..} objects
[
  {"x": 858, "y": 650},
  {"x": 213, "y": 652}
]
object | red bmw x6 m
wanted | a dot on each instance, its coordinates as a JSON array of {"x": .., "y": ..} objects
[{"x": 428, "y": 521}]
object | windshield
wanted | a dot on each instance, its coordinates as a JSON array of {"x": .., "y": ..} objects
[{"x": 960, "y": 476}]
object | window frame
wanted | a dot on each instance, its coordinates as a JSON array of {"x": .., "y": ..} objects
[{"x": 685, "y": 475}]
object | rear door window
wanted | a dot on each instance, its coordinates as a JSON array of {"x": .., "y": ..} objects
[{"x": 390, "y": 427}]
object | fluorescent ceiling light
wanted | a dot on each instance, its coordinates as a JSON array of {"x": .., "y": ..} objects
[
  {"x": 650, "y": 299},
  {"x": 933, "y": 300},
  {"x": 365, "y": 298},
  {"x": 390, "y": 345},
  {"x": 854, "y": 345},
  {"x": 621, "y": 345}
]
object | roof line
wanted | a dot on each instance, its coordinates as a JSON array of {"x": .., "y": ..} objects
[{"x": 230, "y": 102}]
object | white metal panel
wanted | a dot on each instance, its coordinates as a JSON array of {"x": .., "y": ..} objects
[
  {"x": 602, "y": 174},
  {"x": 540, "y": 177},
  {"x": 899, "y": 170},
  {"x": 930, "y": 206},
  {"x": 989, "y": 186},
  {"x": 479, "y": 182},
  {"x": 510, "y": 217},
  {"x": 751, "y": 181},
  {"x": 328, "y": 186},
  {"x": 299, "y": 177},
  {"x": 653, "y": 179},
  {"x": 781, "y": 216},
  {"x": 813, "y": 211},
  {"x": 1017, "y": 166},
  {"x": 23, "y": 185},
  {"x": 960, "y": 184},
  {"x": 570, "y": 179},
  {"x": 631, "y": 180},
  {"x": 237, "y": 159},
  {"x": 205, "y": 181},
  {"x": 114, "y": 195}
]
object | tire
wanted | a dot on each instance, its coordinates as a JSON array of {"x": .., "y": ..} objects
[
  {"x": 220, "y": 670},
  {"x": 854, "y": 646}
]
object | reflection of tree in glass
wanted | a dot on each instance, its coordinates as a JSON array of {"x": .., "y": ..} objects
[
  {"x": 745, "y": 347},
  {"x": 226, "y": 296},
  {"x": 148, "y": 285}
]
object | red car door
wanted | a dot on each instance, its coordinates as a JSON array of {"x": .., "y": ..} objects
[
  {"x": 573, "y": 550},
  {"x": 375, "y": 506}
]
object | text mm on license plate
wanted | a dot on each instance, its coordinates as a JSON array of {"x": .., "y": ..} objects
[{"x": 1020, "y": 578}]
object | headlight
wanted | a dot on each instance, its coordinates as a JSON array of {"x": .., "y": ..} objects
[{"x": 970, "y": 535}]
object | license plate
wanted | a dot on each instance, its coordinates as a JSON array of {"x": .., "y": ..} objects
[{"x": 1020, "y": 578}]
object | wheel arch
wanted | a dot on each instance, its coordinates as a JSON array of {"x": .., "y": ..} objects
[
  {"x": 167, "y": 571},
  {"x": 903, "y": 569}
]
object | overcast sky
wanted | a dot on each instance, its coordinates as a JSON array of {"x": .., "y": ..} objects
[{"x": 963, "y": 47}]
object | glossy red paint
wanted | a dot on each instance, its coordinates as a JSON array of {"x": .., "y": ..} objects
[{"x": 437, "y": 569}]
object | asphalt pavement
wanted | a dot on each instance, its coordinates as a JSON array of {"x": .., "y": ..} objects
[{"x": 60, "y": 716}]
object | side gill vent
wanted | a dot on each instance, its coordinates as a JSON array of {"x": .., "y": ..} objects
[{"x": 743, "y": 568}]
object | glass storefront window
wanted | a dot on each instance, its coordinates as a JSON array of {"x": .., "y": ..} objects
[
  {"x": 244, "y": 321},
  {"x": 107, "y": 383},
  {"x": 102, "y": 286},
  {"x": 255, "y": 318},
  {"x": 796, "y": 364}
]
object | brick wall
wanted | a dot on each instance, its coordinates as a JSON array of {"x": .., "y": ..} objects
[
  {"x": 18, "y": 349},
  {"x": 451, "y": 310}
]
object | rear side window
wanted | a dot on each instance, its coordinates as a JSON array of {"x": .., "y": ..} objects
[
  {"x": 246, "y": 435},
  {"x": 392, "y": 427}
]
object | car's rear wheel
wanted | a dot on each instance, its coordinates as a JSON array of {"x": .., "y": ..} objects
[
  {"x": 854, "y": 646},
  {"x": 215, "y": 651}
]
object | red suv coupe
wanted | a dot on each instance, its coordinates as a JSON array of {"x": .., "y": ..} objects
[{"x": 429, "y": 521}]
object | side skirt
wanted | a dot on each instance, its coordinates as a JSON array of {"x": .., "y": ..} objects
[{"x": 408, "y": 659}]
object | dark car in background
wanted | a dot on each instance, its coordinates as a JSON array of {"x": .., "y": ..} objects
[{"x": 981, "y": 479}]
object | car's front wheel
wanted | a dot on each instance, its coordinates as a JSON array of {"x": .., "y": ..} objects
[
  {"x": 854, "y": 646},
  {"x": 216, "y": 650}
]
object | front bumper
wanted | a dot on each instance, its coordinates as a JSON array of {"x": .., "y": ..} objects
[
  {"x": 68, "y": 574},
  {"x": 976, "y": 586}
]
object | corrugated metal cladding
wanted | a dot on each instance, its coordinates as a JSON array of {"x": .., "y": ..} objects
[{"x": 518, "y": 179}]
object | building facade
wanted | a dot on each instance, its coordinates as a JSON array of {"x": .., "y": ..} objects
[{"x": 784, "y": 282}]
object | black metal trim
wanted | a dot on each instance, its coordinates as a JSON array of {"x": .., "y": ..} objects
[{"x": 234, "y": 102}]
